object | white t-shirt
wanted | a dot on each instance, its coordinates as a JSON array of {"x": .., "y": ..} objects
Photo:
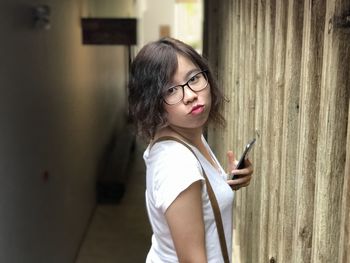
[{"x": 171, "y": 168}]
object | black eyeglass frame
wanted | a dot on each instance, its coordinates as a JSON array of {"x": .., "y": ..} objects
[{"x": 188, "y": 85}]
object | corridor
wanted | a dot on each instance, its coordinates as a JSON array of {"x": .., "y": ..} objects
[{"x": 120, "y": 233}]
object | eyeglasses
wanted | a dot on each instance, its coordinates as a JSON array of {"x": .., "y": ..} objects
[{"x": 196, "y": 83}]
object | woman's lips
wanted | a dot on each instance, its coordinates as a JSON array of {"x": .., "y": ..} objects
[{"x": 197, "y": 109}]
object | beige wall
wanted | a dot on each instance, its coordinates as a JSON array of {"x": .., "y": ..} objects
[{"x": 59, "y": 103}]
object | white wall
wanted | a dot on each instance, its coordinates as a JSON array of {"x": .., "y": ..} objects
[
  {"x": 59, "y": 101},
  {"x": 152, "y": 14}
]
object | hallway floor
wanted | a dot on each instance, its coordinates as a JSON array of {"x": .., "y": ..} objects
[{"x": 120, "y": 233}]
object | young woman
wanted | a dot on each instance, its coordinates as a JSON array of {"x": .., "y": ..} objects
[{"x": 172, "y": 93}]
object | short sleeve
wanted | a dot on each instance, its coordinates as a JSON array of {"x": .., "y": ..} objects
[{"x": 176, "y": 169}]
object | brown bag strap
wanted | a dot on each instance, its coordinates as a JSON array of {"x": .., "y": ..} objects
[{"x": 212, "y": 198}]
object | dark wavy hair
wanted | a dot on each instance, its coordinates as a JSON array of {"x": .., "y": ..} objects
[{"x": 153, "y": 69}]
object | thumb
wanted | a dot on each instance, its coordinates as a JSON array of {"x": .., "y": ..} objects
[{"x": 231, "y": 161}]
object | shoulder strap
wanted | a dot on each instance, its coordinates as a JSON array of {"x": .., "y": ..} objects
[{"x": 212, "y": 198}]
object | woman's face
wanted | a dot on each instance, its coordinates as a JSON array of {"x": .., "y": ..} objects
[{"x": 193, "y": 110}]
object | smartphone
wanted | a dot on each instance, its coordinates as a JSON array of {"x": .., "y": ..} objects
[{"x": 240, "y": 164}]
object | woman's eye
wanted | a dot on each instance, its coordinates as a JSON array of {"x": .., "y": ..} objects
[
  {"x": 171, "y": 91},
  {"x": 194, "y": 79}
]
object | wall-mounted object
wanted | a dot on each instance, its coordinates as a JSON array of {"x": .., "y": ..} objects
[
  {"x": 164, "y": 31},
  {"x": 41, "y": 16},
  {"x": 109, "y": 31}
]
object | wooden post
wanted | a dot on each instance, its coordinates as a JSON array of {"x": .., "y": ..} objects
[
  {"x": 277, "y": 125},
  {"x": 290, "y": 131},
  {"x": 257, "y": 202},
  {"x": 234, "y": 98},
  {"x": 344, "y": 244},
  {"x": 266, "y": 131},
  {"x": 250, "y": 109},
  {"x": 311, "y": 67},
  {"x": 287, "y": 75},
  {"x": 210, "y": 52},
  {"x": 331, "y": 149}
]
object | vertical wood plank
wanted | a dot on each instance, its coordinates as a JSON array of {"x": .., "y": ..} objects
[
  {"x": 277, "y": 123},
  {"x": 240, "y": 197},
  {"x": 222, "y": 76},
  {"x": 311, "y": 68},
  {"x": 245, "y": 116},
  {"x": 250, "y": 121},
  {"x": 235, "y": 100},
  {"x": 210, "y": 52},
  {"x": 219, "y": 74},
  {"x": 269, "y": 44},
  {"x": 227, "y": 64},
  {"x": 239, "y": 116},
  {"x": 255, "y": 237},
  {"x": 331, "y": 149},
  {"x": 230, "y": 71},
  {"x": 290, "y": 131},
  {"x": 344, "y": 248}
]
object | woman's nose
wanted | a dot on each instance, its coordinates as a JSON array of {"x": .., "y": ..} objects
[{"x": 189, "y": 95}]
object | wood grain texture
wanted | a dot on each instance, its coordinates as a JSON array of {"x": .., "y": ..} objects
[{"x": 285, "y": 67}]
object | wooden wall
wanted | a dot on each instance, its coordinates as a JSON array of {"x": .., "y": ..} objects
[{"x": 285, "y": 67}]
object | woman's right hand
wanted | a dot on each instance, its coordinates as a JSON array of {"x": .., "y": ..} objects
[{"x": 244, "y": 175}]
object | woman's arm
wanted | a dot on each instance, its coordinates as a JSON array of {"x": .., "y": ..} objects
[{"x": 185, "y": 220}]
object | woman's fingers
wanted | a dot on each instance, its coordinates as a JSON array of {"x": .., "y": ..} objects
[
  {"x": 236, "y": 184},
  {"x": 240, "y": 181},
  {"x": 247, "y": 170},
  {"x": 244, "y": 176}
]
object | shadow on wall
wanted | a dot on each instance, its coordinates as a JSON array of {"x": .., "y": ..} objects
[{"x": 113, "y": 166}]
